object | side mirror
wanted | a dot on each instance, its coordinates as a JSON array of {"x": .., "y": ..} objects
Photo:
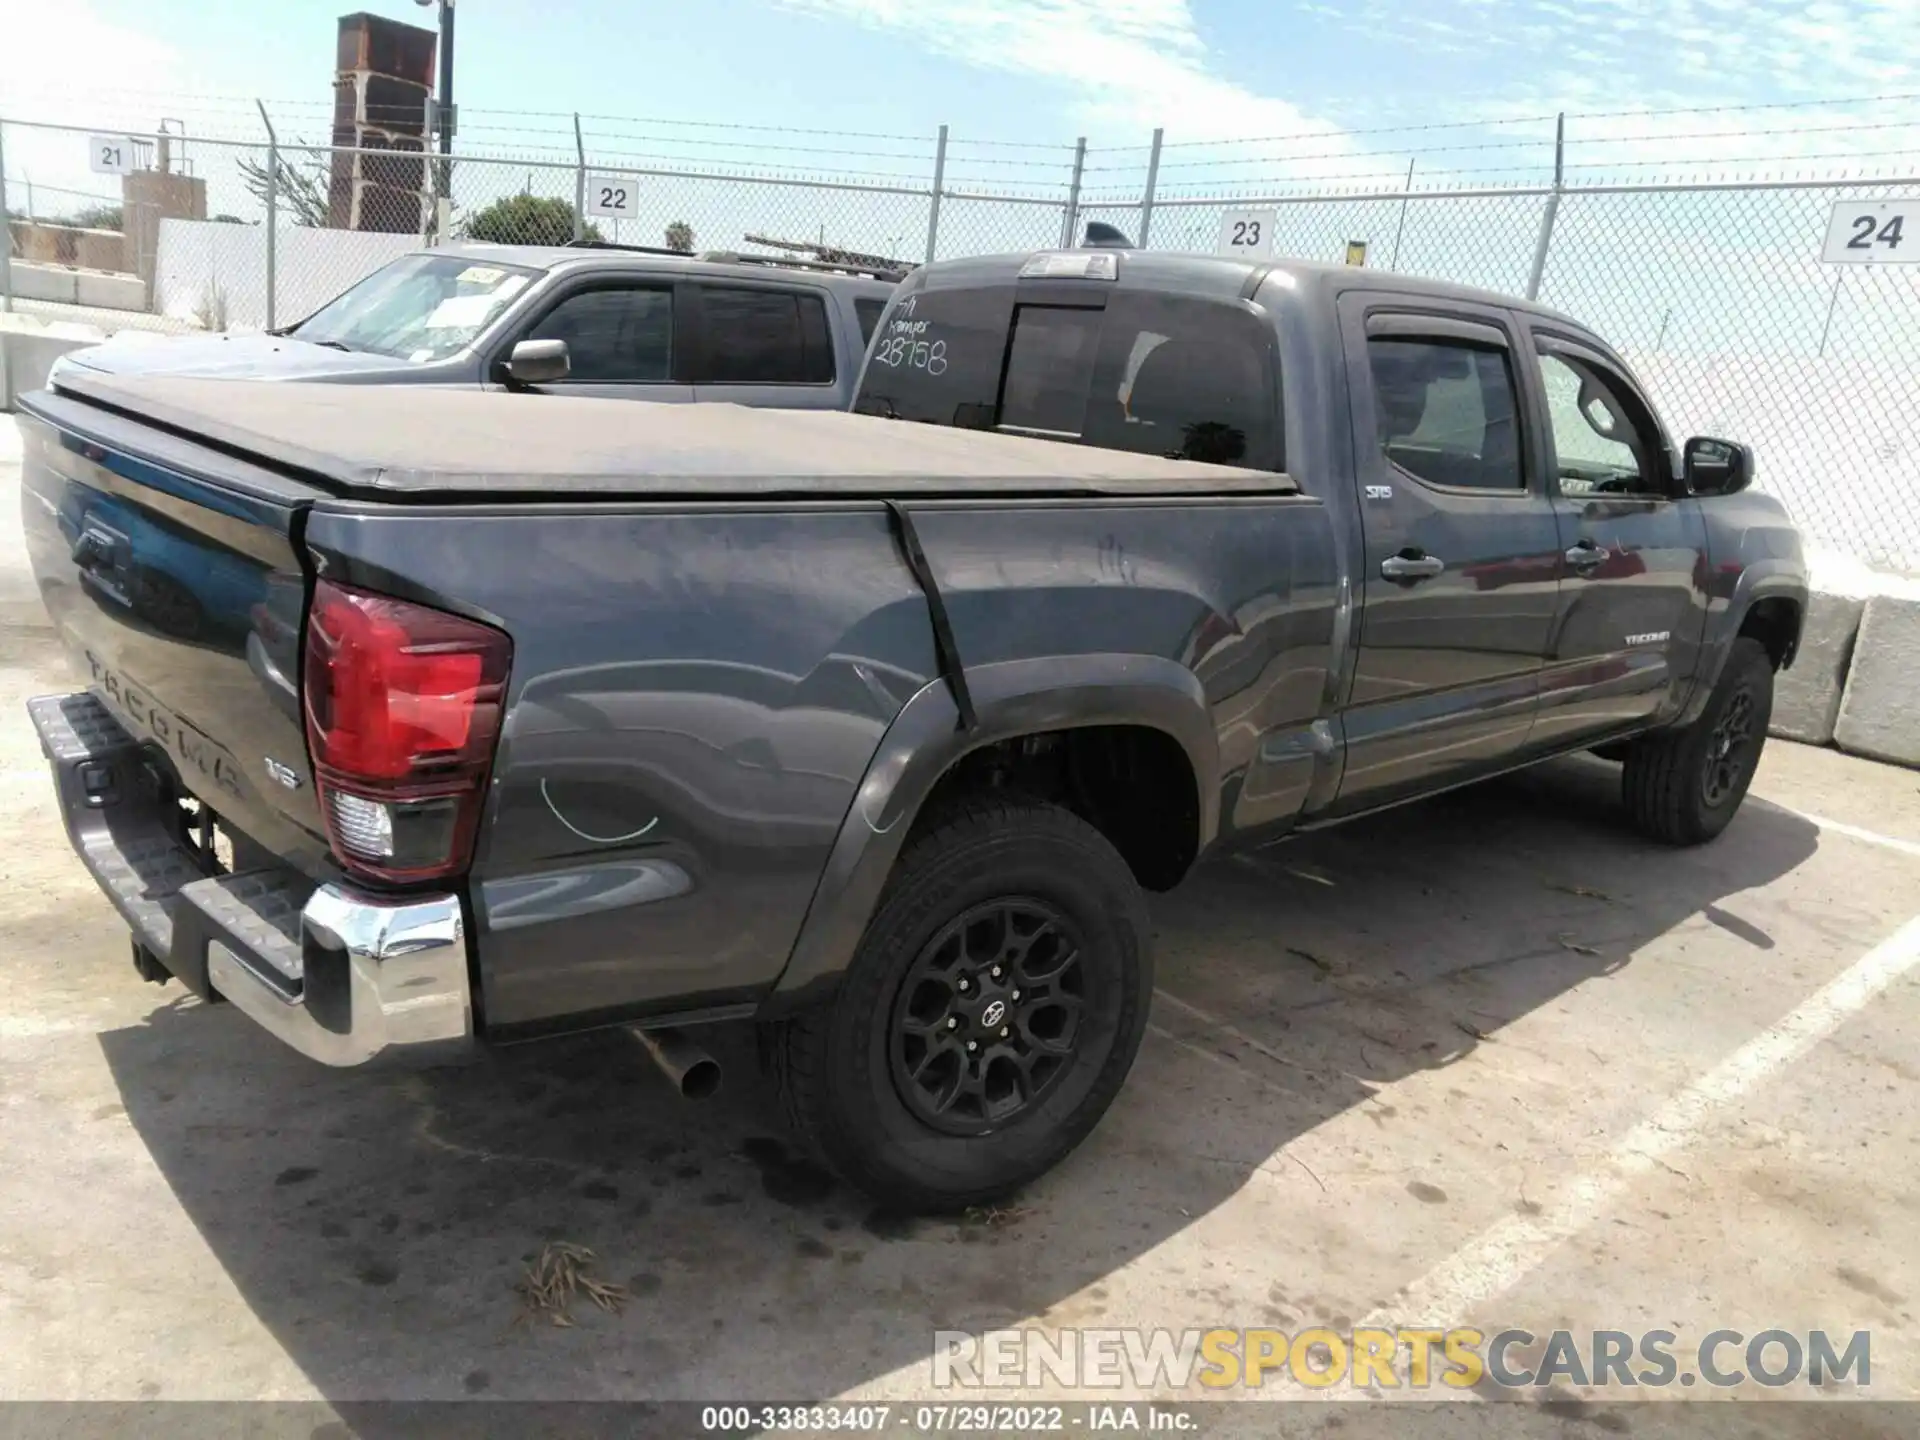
[
  {"x": 1716, "y": 467},
  {"x": 538, "y": 362}
]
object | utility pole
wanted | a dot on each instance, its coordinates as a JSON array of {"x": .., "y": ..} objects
[{"x": 444, "y": 118}]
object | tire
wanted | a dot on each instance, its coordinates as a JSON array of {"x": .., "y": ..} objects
[
  {"x": 862, "y": 1076},
  {"x": 1683, "y": 786}
]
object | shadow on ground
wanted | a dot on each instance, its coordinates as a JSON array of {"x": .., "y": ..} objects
[{"x": 377, "y": 1222}]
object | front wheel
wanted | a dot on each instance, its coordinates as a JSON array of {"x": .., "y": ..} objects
[
  {"x": 988, "y": 1018},
  {"x": 1683, "y": 786}
]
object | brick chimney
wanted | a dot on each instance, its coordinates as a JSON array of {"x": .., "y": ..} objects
[{"x": 382, "y": 95}]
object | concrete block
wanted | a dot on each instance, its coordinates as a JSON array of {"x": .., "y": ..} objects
[
  {"x": 1806, "y": 697},
  {"x": 109, "y": 292},
  {"x": 1880, "y": 711},
  {"x": 27, "y": 355},
  {"x": 54, "y": 284}
]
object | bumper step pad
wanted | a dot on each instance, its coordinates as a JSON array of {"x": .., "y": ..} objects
[{"x": 130, "y": 844}]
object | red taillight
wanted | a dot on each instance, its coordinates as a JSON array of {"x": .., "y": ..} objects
[{"x": 403, "y": 708}]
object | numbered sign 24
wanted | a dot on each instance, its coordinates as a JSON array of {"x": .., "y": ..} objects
[
  {"x": 616, "y": 197},
  {"x": 1247, "y": 233},
  {"x": 1873, "y": 232},
  {"x": 110, "y": 154}
]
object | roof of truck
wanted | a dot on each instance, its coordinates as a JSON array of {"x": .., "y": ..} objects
[
  {"x": 1225, "y": 276},
  {"x": 428, "y": 441}
]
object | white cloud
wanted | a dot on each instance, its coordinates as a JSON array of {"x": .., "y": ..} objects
[
  {"x": 67, "y": 66},
  {"x": 1130, "y": 64}
]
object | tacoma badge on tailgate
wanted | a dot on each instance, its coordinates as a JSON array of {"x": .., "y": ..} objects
[{"x": 154, "y": 721}]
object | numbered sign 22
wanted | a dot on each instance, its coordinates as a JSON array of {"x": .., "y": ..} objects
[
  {"x": 1247, "y": 233},
  {"x": 1873, "y": 232},
  {"x": 110, "y": 155},
  {"x": 616, "y": 197}
]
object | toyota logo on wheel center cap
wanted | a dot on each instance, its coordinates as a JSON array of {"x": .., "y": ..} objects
[{"x": 995, "y": 1012}]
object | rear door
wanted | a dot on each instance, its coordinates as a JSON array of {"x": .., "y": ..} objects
[
  {"x": 762, "y": 344},
  {"x": 626, "y": 338},
  {"x": 1633, "y": 579},
  {"x": 1460, "y": 569}
]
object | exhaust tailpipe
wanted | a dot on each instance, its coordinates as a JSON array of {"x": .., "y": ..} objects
[{"x": 690, "y": 1069}]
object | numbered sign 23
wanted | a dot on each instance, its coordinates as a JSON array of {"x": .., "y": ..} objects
[
  {"x": 615, "y": 196},
  {"x": 1246, "y": 232},
  {"x": 1873, "y": 232},
  {"x": 110, "y": 154}
]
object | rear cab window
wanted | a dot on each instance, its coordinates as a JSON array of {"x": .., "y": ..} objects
[
  {"x": 1185, "y": 376},
  {"x": 755, "y": 335}
]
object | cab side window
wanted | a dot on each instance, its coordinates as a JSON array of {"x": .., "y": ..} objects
[
  {"x": 614, "y": 334},
  {"x": 765, "y": 337},
  {"x": 1445, "y": 412},
  {"x": 1600, "y": 445}
]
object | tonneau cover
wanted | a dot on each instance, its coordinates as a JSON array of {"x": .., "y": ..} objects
[{"x": 406, "y": 441}]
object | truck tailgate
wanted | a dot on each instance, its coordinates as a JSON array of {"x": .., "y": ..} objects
[{"x": 173, "y": 575}]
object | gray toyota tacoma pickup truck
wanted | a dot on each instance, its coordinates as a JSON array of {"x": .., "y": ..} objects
[{"x": 431, "y": 717}]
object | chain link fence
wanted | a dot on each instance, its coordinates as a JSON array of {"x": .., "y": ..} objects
[{"x": 1717, "y": 293}]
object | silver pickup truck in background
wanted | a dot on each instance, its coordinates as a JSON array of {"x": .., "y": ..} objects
[{"x": 616, "y": 322}]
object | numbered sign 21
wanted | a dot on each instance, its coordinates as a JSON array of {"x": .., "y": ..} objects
[
  {"x": 1873, "y": 232},
  {"x": 110, "y": 155},
  {"x": 616, "y": 197},
  {"x": 1247, "y": 233}
]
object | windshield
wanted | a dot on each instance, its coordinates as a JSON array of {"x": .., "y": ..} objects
[{"x": 419, "y": 308}]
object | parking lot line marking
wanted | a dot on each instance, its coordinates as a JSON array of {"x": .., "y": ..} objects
[
  {"x": 1505, "y": 1253},
  {"x": 1213, "y": 1059},
  {"x": 1224, "y": 1028},
  {"x": 1840, "y": 827}
]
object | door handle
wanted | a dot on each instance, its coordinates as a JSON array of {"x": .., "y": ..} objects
[
  {"x": 1586, "y": 556},
  {"x": 1412, "y": 566}
]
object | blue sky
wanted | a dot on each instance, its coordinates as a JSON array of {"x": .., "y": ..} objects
[{"x": 1324, "y": 74}]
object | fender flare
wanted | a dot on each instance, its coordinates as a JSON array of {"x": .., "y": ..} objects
[
  {"x": 925, "y": 740},
  {"x": 1771, "y": 579}
]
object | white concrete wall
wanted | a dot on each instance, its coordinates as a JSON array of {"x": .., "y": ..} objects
[{"x": 310, "y": 268}]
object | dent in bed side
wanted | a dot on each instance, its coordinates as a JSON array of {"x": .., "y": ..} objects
[{"x": 1013, "y": 698}]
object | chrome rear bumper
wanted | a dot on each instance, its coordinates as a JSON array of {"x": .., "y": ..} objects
[{"x": 338, "y": 976}]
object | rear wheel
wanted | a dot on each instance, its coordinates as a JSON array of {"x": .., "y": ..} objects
[
  {"x": 1683, "y": 786},
  {"x": 989, "y": 1016}
]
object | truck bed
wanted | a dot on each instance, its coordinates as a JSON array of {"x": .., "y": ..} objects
[{"x": 423, "y": 443}]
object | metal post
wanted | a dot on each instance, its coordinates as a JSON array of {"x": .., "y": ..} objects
[
  {"x": 443, "y": 203},
  {"x": 1153, "y": 183},
  {"x": 273, "y": 209},
  {"x": 446, "y": 78},
  {"x": 1073, "y": 194},
  {"x": 1552, "y": 210},
  {"x": 579, "y": 181},
  {"x": 1400, "y": 228},
  {"x": 939, "y": 184},
  {"x": 6, "y": 233}
]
